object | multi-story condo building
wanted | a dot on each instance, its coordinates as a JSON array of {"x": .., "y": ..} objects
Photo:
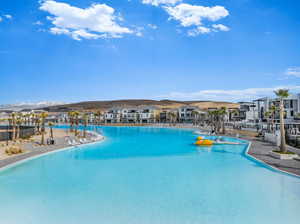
[
  {"x": 186, "y": 113},
  {"x": 113, "y": 115},
  {"x": 143, "y": 114},
  {"x": 247, "y": 112},
  {"x": 148, "y": 114},
  {"x": 255, "y": 111},
  {"x": 167, "y": 115}
]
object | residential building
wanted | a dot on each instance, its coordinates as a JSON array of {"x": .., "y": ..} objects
[
  {"x": 187, "y": 114},
  {"x": 143, "y": 114},
  {"x": 113, "y": 115}
]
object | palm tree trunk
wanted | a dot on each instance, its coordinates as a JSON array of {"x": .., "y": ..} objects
[
  {"x": 13, "y": 132},
  {"x": 223, "y": 127},
  {"x": 282, "y": 131},
  {"x": 43, "y": 132},
  {"x": 43, "y": 138}
]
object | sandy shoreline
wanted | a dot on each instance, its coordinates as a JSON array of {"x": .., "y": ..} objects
[{"x": 32, "y": 147}]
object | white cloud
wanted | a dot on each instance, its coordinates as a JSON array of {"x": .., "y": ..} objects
[
  {"x": 76, "y": 34},
  {"x": 7, "y": 16},
  {"x": 220, "y": 27},
  {"x": 152, "y": 26},
  {"x": 228, "y": 95},
  {"x": 97, "y": 21},
  {"x": 39, "y": 23},
  {"x": 293, "y": 71},
  {"x": 161, "y": 2},
  {"x": 194, "y": 15},
  {"x": 190, "y": 15},
  {"x": 198, "y": 30}
]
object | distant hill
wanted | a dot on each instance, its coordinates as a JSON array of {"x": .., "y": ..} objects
[
  {"x": 163, "y": 104},
  {"x": 27, "y": 106}
]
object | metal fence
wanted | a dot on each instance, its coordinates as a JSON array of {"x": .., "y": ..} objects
[{"x": 6, "y": 132}]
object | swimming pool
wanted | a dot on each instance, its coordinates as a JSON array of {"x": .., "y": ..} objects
[{"x": 141, "y": 175}]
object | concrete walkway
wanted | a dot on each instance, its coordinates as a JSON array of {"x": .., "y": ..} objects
[{"x": 260, "y": 149}]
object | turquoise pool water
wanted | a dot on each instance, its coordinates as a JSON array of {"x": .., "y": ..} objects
[{"x": 147, "y": 176}]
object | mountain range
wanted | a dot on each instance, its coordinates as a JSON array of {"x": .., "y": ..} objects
[{"x": 162, "y": 104}]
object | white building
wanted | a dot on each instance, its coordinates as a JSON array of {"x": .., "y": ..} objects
[
  {"x": 186, "y": 114},
  {"x": 113, "y": 115},
  {"x": 255, "y": 111},
  {"x": 144, "y": 114}
]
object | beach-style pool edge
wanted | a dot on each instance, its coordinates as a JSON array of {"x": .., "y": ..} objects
[
  {"x": 28, "y": 159},
  {"x": 246, "y": 154}
]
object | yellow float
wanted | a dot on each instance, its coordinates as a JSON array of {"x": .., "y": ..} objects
[
  {"x": 199, "y": 138},
  {"x": 204, "y": 142}
]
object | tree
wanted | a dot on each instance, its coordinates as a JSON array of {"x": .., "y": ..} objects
[
  {"x": 273, "y": 111},
  {"x": 76, "y": 119},
  {"x": 43, "y": 117},
  {"x": 71, "y": 120},
  {"x": 172, "y": 116},
  {"x": 13, "y": 122},
  {"x": 268, "y": 116},
  {"x": 213, "y": 120},
  {"x": 195, "y": 115},
  {"x": 222, "y": 113},
  {"x": 51, "y": 124},
  {"x": 282, "y": 94},
  {"x": 37, "y": 123},
  {"x": 19, "y": 122},
  {"x": 234, "y": 114},
  {"x": 216, "y": 119},
  {"x": 97, "y": 115},
  {"x": 85, "y": 123}
]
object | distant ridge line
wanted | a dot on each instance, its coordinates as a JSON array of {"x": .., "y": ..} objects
[{"x": 165, "y": 103}]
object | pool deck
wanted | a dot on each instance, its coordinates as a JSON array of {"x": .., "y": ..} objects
[
  {"x": 260, "y": 150},
  {"x": 34, "y": 150}
]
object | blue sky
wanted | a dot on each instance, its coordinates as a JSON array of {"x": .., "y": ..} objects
[{"x": 76, "y": 50}]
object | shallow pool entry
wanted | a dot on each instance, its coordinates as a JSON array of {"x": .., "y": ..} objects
[{"x": 141, "y": 175}]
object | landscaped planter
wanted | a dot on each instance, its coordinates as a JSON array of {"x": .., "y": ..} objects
[{"x": 282, "y": 156}]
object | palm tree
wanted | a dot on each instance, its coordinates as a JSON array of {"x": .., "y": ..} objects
[
  {"x": 268, "y": 115},
  {"x": 281, "y": 94},
  {"x": 18, "y": 126},
  {"x": 173, "y": 117},
  {"x": 37, "y": 123},
  {"x": 222, "y": 113},
  {"x": 32, "y": 119},
  {"x": 235, "y": 113},
  {"x": 195, "y": 115},
  {"x": 97, "y": 117},
  {"x": 43, "y": 116},
  {"x": 76, "y": 119},
  {"x": 71, "y": 120},
  {"x": 51, "y": 124},
  {"x": 213, "y": 120},
  {"x": 85, "y": 122},
  {"x": 13, "y": 122},
  {"x": 273, "y": 111}
]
